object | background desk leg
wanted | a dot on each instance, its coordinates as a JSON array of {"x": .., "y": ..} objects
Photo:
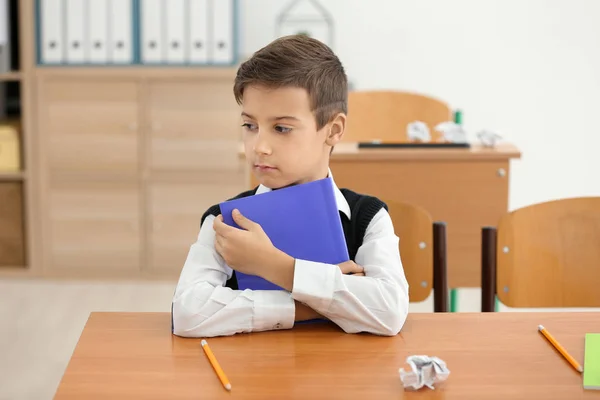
[{"x": 453, "y": 300}]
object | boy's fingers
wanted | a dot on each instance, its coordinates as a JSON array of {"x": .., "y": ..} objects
[
  {"x": 350, "y": 267},
  {"x": 345, "y": 266},
  {"x": 242, "y": 221},
  {"x": 221, "y": 227}
]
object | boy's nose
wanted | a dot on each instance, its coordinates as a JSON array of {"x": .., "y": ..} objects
[{"x": 261, "y": 145}]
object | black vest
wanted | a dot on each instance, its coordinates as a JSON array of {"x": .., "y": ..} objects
[{"x": 362, "y": 210}]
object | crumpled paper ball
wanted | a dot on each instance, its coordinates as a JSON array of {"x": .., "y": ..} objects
[
  {"x": 452, "y": 132},
  {"x": 488, "y": 138},
  {"x": 425, "y": 371},
  {"x": 418, "y": 131}
]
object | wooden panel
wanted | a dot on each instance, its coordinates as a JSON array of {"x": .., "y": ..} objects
[
  {"x": 384, "y": 115},
  {"x": 548, "y": 255},
  {"x": 30, "y": 133},
  {"x": 466, "y": 195},
  {"x": 194, "y": 126},
  {"x": 90, "y": 125},
  {"x": 93, "y": 226},
  {"x": 414, "y": 227},
  {"x": 175, "y": 211},
  {"x": 492, "y": 356},
  {"x": 12, "y": 233}
]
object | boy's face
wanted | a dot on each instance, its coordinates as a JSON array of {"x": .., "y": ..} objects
[{"x": 281, "y": 140}]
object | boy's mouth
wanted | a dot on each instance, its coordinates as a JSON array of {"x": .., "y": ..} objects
[{"x": 264, "y": 167}]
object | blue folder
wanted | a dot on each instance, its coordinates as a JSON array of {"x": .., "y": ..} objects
[{"x": 302, "y": 221}]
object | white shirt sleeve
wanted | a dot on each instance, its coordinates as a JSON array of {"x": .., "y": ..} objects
[
  {"x": 377, "y": 302},
  {"x": 204, "y": 307}
]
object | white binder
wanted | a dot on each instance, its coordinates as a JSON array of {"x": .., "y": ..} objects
[
  {"x": 221, "y": 43},
  {"x": 97, "y": 23},
  {"x": 199, "y": 31},
  {"x": 176, "y": 29},
  {"x": 52, "y": 36},
  {"x": 120, "y": 40},
  {"x": 152, "y": 27},
  {"x": 77, "y": 45}
]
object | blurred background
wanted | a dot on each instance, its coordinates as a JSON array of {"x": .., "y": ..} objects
[{"x": 119, "y": 129}]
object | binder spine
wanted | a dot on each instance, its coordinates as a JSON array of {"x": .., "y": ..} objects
[{"x": 135, "y": 32}]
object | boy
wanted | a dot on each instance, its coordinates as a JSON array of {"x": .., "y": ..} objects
[{"x": 293, "y": 94}]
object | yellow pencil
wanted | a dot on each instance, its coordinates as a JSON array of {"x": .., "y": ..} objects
[
  {"x": 561, "y": 349},
  {"x": 215, "y": 365}
]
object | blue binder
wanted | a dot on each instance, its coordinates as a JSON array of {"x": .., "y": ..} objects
[{"x": 301, "y": 220}]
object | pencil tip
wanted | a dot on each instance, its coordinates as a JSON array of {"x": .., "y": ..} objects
[
  {"x": 540, "y": 327},
  {"x": 203, "y": 342},
  {"x": 580, "y": 369},
  {"x": 228, "y": 386}
]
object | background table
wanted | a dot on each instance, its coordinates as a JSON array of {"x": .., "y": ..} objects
[
  {"x": 490, "y": 356},
  {"x": 466, "y": 188}
]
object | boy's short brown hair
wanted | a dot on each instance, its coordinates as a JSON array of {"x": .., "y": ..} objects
[{"x": 298, "y": 61}]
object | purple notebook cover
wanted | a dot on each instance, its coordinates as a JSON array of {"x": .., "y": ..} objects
[{"x": 301, "y": 220}]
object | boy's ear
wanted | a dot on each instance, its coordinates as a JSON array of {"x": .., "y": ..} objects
[{"x": 336, "y": 130}]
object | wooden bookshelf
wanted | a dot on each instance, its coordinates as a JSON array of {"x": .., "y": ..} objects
[
  {"x": 12, "y": 176},
  {"x": 119, "y": 163},
  {"x": 17, "y": 217},
  {"x": 10, "y": 76}
]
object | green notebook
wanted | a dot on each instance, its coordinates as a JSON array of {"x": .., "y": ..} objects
[{"x": 591, "y": 362}]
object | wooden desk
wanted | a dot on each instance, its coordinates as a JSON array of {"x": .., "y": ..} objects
[
  {"x": 466, "y": 188},
  {"x": 491, "y": 356}
]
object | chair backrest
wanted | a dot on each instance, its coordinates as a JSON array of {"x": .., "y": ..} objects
[
  {"x": 414, "y": 226},
  {"x": 548, "y": 254},
  {"x": 384, "y": 115}
]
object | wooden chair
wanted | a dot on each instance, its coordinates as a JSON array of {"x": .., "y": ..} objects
[
  {"x": 544, "y": 255},
  {"x": 384, "y": 115},
  {"x": 423, "y": 252}
]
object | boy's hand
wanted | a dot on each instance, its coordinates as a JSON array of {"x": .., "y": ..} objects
[
  {"x": 351, "y": 268},
  {"x": 248, "y": 250}
]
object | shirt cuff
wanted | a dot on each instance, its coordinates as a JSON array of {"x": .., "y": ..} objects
[
  {"x": 314, "y": 284},
  {"x": 272, "y": 310}
]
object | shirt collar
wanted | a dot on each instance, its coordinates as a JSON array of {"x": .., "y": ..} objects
[{"x": 342, "y": 204}]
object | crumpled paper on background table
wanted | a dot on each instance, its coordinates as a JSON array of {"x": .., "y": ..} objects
[
  {"x": 418, "y": 131},
  {"x": 452, "y": 132},
  {"x": 425, "y": 371}
]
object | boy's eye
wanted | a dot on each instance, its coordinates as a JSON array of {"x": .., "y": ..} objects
[
  {"x": 249, "y": 126},
  {"x": 282, "y": 129}
]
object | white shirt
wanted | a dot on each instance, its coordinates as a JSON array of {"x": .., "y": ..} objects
[{"x": 376, "y": 303}]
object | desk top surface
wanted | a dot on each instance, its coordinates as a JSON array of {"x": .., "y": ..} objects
[
  {"x": 491, "y": 355},
  {"x": 351, "y": 151}
]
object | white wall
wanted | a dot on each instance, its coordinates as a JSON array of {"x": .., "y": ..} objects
[{"x": 527, "y": 68}]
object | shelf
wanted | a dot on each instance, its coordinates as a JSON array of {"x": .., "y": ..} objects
[
  {"x": 147, "y": 72},
  {"x": 10, "y": 76},
  {"x": 12, "y": 176}
]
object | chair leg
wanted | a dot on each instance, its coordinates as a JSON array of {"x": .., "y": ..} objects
[
  {"x": 440, "y": 268},
  {"x": 488, "y": 269}
]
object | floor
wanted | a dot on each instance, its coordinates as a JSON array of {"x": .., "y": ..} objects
[{"x": 40, "y": 323}]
